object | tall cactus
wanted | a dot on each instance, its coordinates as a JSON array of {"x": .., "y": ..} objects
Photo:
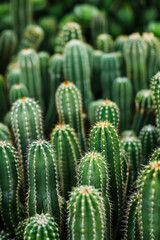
[
  {"x": 43, "y": 192},
  {"x": 105, "y": 43},
  {"x": 3, "y": 98},
  {"x": 4, "y": 133},
  {"x": 13, "y": 77},
  {"x": 71, "y": 30},
  {"x": 86, "y": 214},
  {"x": 18, "y": 91},
  {"x": 92, "y": 110},
  {"x": 69, "y": 108}
]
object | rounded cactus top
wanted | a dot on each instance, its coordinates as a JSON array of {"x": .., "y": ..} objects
[
  {"x": 144, "y": 100},
  {"x": 121, "y": 80},
  {"x": 71, "y": 25}
]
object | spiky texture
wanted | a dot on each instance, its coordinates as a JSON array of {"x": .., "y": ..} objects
[
  {"x": 41, "y": 227},
  {"x": 26, "y": 125},
  {"x": 105, "y": 43},
  {"x": 21, "y": 15},
  {"x": 144, "y": 110},
  {"x": 86, "y": 214},
  {"x": 108, "y": 111},
  {"x": 30, "y": 73},
  {"x": 69, "y": 108},
  {"x": 43, "y": 187},
  {"x": 135, "y": 54},
  {"x": 17, "y": 91},
  {"x": 3, "y": 98},
  {"x": 150, "y": 140},
  {"x": 104, "y": 139},
  {"x": 5, "y": 236},
  {"x": 110, "y": 70},
  {"x": 93, "y": 172},
  {"x": 71, "y": 30},
  {"x": 76, "y": 55},
  {"x": 92, "y": 110},
  {"x": 4, "y": 133},
  {"x": 68, "y": 153},
  {"x": 10, "y": 174},
  {"x": 119, "y": 43},
  {"x": 8, "y": 44},
  {"x": 13, "y": 77},
  {"x": 122, "y": 94},
  {"x": 20, "y": 229}
]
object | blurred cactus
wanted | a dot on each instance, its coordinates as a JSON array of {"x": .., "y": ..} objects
[
  {"x": 92, "y": 110},
  {"x": 5, "y": 236},
  {"x": 13, "y": 77},
  {"x": 71, "y": 30},
  {"x": 119, "y": 43},
  {"x": 17, "y": 91},
  {"x": 105, "y": 43},
  {"x": 128, "y": 133},
  {"x": 3, "y": 98},
  {"x": 5, "y": 134}
]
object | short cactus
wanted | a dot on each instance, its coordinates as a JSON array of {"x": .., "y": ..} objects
[
  {"x": 3, "y": 98},
  {"x": 13, "y": 77},
  {"x": 4, "y": 133},
  {"x": 71, "y": 30},
  {"x": 17, "y": 91},
  {"x": 69, "y": 108},
  {"x": 86, "y": 214},
  {"x": 105, "y": 43},
  {"x": 92, "y": 110},
  {"x": 108, "y": 111},
  {"x": 43, "y": 227}
]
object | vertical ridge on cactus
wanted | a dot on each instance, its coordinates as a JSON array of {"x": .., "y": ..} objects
[
  {"x": 13, "y": 77},
  {"x": 17, "y": 91},
  {"x": 3, "y": 98},
  {"x": 5, "y": 134},
  {"x": 105, "y": 43}
]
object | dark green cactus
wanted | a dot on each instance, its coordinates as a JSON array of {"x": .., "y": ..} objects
[
  {"x": 17, "y": 91},
  {"x": 108, "y": 111},
  {"x": 43, "y": 227},
  {"x": 68, "y": 153},
  {"x": 119, "y": 43},
  {"x": 86, "y": 214},
  {"x": 128, "y": 133},
  {"x": 3, "y": 98},
  {"x": 105, "y": 43},
  {"x": 93, "y": 172},
  {"x": 150, "y": 140},
  {"x": 10, "y": 177},
  {"x": 69, "y": 108},
  {"x": 90, "y": 57},
  {"x": 5, "y": 236},
  {"x": 13, "y": 77},
  {"x": 92, "y": 110},
  {"x": 71, "y": 30},
  {"x": 43, "y": 187},
  {"x": 4, "y": 133},
  {"x": 122, "y": 94},
  {"x": 7, "y": 119}
]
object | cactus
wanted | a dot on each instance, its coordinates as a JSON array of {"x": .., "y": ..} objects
[
  {"x": 58, "y": 43},
  {"x": 3, "y": 98},
  {"x": 10, "y": 177},
  {"x": 105, "y": 43},
  {"x": 76, "y": 55},
  {"x": 110, "y": 70},
  {"x": 68, "y": 153},
  {"x": 128, "y": 133},
  {"x": 119, "y": 43},
  {"x": 86, "y": 214},
  {"x": 20, "y": 229},
  {"x": 108, "y": 111},
  {"x": 93, "y": 172},
  {"x": 4, "y": 133},
  {"x": 104, "y": 139},
  {"x": 43, "y": 227},
  {"x": 135, "y": 54},
  {"x": 150, "y": 140},
  {"x": 144, "y": 110},
  {"x": 122, "y": 95},
  {"x": 71, "y": 30},
  {"x": 26, "y": 121},
  {"x": 21, "y": 15},
  {"x": 5, "y": 236},
  {"x": 43, "y": 187},
  {"x": 92, "y": 110},
  {"x": 30, "y": 73},
  {"x": 7, "y": 119},
  {"x": 13, "y": 77},
  {"x": 69, "y": 108},
  {"x": 90, "y": 57},
  {"x": 17, "y": 91}
]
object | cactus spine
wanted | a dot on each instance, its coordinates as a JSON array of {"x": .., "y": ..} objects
[
  {"x": 41, "y": 226},
  {"x": 68, "y": 153},
  {"x": 17, "y": 91},
  {"x": 86, "y": 214},
  {"x": 105, "y": 43},
  {"x": 69, "y": 108},
  {"x": 4, "y": 133},
  {"x": 71, "y": 30}
]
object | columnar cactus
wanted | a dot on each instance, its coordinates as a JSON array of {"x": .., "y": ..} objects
[
  {"x": 71, "y": 30},
  {"x": 90, "y": 57},
  {"x": 43, "y": 187},
  {"x": 76, "y": 55},
  {"x": 69, "y": 108},
  {"x": 3, "y": 98},
  {"x": 8, "y": 45},
  {"x": 122, "y": 95},
  {"x": 4, "y": 133},
  {"x": 30, "y": 73},
  {"x": 17, "y": 91},
  {"x": 128, "y": 133},
  {"x": 10, "y": 176},
  {"x": 150, "y": 140},
  {"x": 105, "y": 43},
  {"x": 108, "y": 111},
  {"x": 92, "y": 110},
  {"x": 110, "y": 70},
  {"x": 26, "y": 125},
  {"x": 13, "y": 77},
  {"x": 21, "y": 15},
  {"x": 86, "y": 214},
  {"x": 68, "y": 153},
  {"x": 135, "y": 54},
  {"x": 93, "y": 172},
  {"x": 119, "y": 43},
  {"x": 43, "y": 227},
  {"x": 144, "y": 110}
]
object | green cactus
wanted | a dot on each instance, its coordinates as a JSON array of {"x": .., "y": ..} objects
[
  {"x": 108, "y": 111},
  {"x": 20, "y": 229},
  {"x": 93, "y": 172},
  {"x": 135, "y": 54},
  {"x": 86, "y": 214},
  {"x": 92, "y": 110},
  {"x": 90, "y": 57},
  {"x": 68, "y": 153},
  {"x": 21, "y": 15},
  {"x": 69, "y": 108},
  {"x": 144, "y": 110},
  {"x": 105, "y": 43},
  {"x": 43, "y": 187},
  {"x": 8, "y": 45},
  {"x": 150, "y": 140},
  {"x": 119, "y": 43},
  {"x": 71, "y": 30},
  {"x": 42, "y": 227},
  {"x": 17, "y": 91},
  {"x": 58, "y": 43},
  {"x": 110, "y": 70},
  {"x": 5, "y": 236},
  {"x": 30, "y": 73},
  {"x": 13, "y": 77},
  {"x": 10, "y": 177},
  {"x": 128, "y": 133},
  {"x": 77, "y": 69},
  {"x": 122, "y": 95},
  {"x": 5, "y": 134},
  {"x": 7, "y": 120},
  {"x": 3, "y": 98}
]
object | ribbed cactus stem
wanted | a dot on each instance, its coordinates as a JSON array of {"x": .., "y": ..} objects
[
  {"x": 13, "y": 77},
  {"x": 5, "y": 134},
  {"x": 92, "y": 110},
  {"x": 105, "y": 43},
  {"x": 3, "y": 98},
  {"x": 17, "y": 91}
]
